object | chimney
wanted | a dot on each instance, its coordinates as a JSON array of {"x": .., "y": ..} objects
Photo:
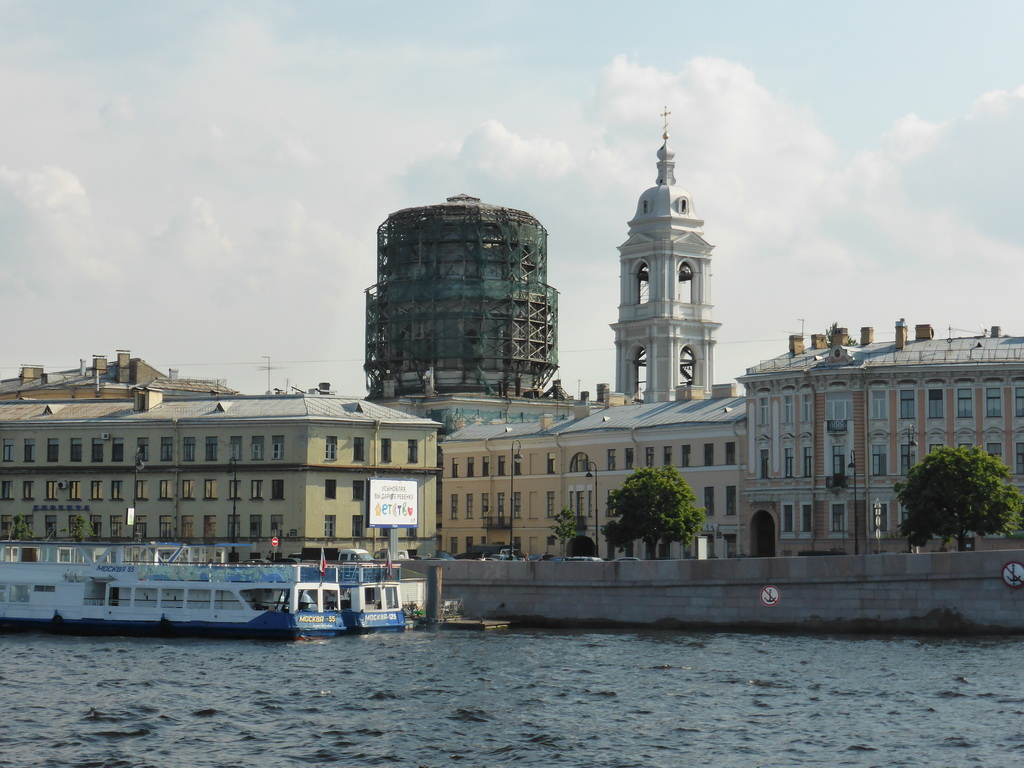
[
  {"x": 997, "y": 331},
  {"x": 31, "y": 373},
  {"x": 602, "y": 393},
  {"x": 99, "y": 364},
  {"x": 546, "y": 420},
  {"x": 818, "y": 341},
  {"x": 901, "y": 333},
  {"x": 685, "y": 393},
  {"x": 585, "y": 396},
  {"x": 796, "y": 344},
  {"x": 841, "y": 337},
  {"x": 123, "y": 358},
  {"x": 867, "y": 336},
  {"x": 923, "y": 332}
]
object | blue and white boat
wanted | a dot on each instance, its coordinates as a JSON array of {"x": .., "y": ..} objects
[{"x": 178, "y": 589}]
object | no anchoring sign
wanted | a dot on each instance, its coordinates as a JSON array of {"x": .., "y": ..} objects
[{"x": 770, "y": 596}]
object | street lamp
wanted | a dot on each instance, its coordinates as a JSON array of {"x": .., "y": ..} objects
[
  {"x": 139, "y": 466},
  {"x": 592, "y": 472},
  {"x": 517, "y": 460},
  {"x": 856, "y": 539}
]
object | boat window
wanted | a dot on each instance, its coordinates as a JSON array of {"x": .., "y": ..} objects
[
  {"x": 308, "y": 600},
  {"x": 19, "y": 593},
  {"x": 391, "y": 593},
  {"x": 172, "y": 598},
  {"x": 3, "y": 593},
  {"x": 30, "y": 554},
  {"x": 145, "y": 597},
  {"x": 44, "y": 588},
  {"x": 346, "y": 599},
  {"x": 371, "y": 597},
  {"x": 199, "y": 598},
  {"x": 330, "y": 599},
  {"x": 227, "y": 601},
  {"x": 114, "y": 597},
  {"x": 65, "y": 555},
  {"x": 265, "y": 599}
]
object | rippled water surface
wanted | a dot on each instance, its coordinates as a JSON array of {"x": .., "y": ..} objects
[{"x": 522, "y": 697}]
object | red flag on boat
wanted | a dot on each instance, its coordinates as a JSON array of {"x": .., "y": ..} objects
[{"x": 323, "y": 562}]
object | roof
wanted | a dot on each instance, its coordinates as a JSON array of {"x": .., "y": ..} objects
[
  {"x": 969, "y": 351},
  {"x": 719, "y": 410},
  {"x": 294, "y": 406}
]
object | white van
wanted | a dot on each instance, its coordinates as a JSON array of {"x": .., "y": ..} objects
[{"x": 346, "y": 555}]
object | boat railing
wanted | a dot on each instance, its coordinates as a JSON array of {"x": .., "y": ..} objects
[{"x": 351, "y": 574}]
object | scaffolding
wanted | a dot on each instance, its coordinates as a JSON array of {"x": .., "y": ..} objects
[{"x": 461, "y": 303}]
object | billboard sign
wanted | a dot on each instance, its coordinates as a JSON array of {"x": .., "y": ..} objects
[{"x": 393, "y": 503}]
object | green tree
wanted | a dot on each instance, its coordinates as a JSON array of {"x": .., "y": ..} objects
[
  {"x": 78, "y": 528},
  {"x": 954, "y": 491},
  {"x": 565, "y": 526},
  {"x": 653, "y": 504},
  {"x": 19, "y": 529}
]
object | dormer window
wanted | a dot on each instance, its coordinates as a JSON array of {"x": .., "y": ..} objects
[
  {"x": 682, "y": 205},
  {"x": 646, "y": 206}
]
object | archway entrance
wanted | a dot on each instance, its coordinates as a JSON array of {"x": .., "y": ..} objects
[
  {"x": 581, "y": 546},
  {"x": 762, "y": 534}
]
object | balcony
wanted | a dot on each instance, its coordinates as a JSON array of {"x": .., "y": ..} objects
[
  {"x": 496, "y": 522},
  {"x": 835, "y": 482},
  {"x": 836, "y": 425}
]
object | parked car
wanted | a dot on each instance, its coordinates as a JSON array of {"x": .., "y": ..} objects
[
  {"x": 578, "y": 558},
  {"x": 440, "y": 555},
  {"x": 622, "y": 559}
]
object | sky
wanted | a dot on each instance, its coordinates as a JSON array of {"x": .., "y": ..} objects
[{"x": 201, "y": 183}]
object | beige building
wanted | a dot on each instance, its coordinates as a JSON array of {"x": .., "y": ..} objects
[
  {"x": 490, "y": 496},
  {"x": 232, "y": 468},
  {"x": 831, "y": 428}
]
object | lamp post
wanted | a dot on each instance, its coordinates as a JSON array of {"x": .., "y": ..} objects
[
  {"x": 139, "y": 466},
  {"x": 853, "y": 465},
  {"x": 517, "y": 460},
  {"x": 592, "y": 472}
]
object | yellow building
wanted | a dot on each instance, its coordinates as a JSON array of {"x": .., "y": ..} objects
[{"x": 232, "y": 468}]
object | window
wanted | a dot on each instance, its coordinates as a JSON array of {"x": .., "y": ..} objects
[
  {"x": 551, "y": 463},
  {"x": 993, "y": 402},
  {"x": 358, "y": 490},
  {"x": 51, "y": 490},
  {"x": 501, "y": 505},
  {"x": 6, "y": 489},
  {"x": 485, "y": 466},
  {"x": 550, "y": 506},
  {"x": 788, "y": 461},
  {"x": 501, "y": 465},
  {"x": 762, "y": 410},
  {"x": 234, "y": 489},
  {"x": 455, "y": 468},
  {"x": 806, "y": 515},
  {"x": 357, "y": 526},
  {"x": 53, "y": 449},
  {"x": 730, "y": 499},
  {"x": 906, "y": 458},
  {"x": 256, "y": 448},
  {"x": 209, "y": 526},
  {"x": 1018, "y": 465},
  {"x": 30, "y": 449},
  {"x": 906, "y": 403},
  {"x": 730, "y": 452},
  {"x": 964, "y": 403},
  {"x": 188, "y": 449},
  {"x": 235, "y": 447},
  {"x": 838, "y": 518},
  {"x": 879, "y": 460},
  {"x": 330, "y": 489},
  {"x": 838, "y": 459},
  {"x": 879, "y": 404},
  {"x": 787, "y": 518},
  {"x": 26, "y": 489},
  {"x": 838, "y": 407},
  {"x": 166, "y": 488},
  {"x": 277, "y": 489},
  {"x": 51, "y": 525},
  {"x": 709, "y": 454},
  {"x": 684, "y": 455},
  {"x": 96, "y": 525},
  {"x": 166, "y": 526},
  {"x": 117, "y": 490},
  {"x": 807, "y": 461},
  {"x": 648, "y": 457},
  {"x": 211, "y": 448},
  {"x": 234, "y": 526},
  {"x": 256, "y": 489},
  {"x": 806, "y": 408},
  {"x": 935, "y": 404},
  {"x": 470, "y": 466},
  {"x": 277, "y": 525},
  {"x": 331, "y": 448},
  {"x": 277, "y": 447},
  {"x": 469, "y": 506},
  {"x": 485, "y": 504},
  {"x": 787, "y": 409},
  {"x": 610, "y": 459},
  {"x": 188, "y": 526},
  {"x": 97, "y": 449},
  {"x": 1018, "y": 401},
  {"x": 358, "y": 449},
  {"x": 329, "y": 525},
  {"x": 76, "y": 449},
  {"x": 516, "y": 504},
  {"x": 96, "y": 490},
  {"x": 412, "y": 451},
  {"x": 188, "y": 489},
  {"x": 166, "y": 449},
  {"x": 629, "y": 458},
  {"x": 667, "y": 456},
  {"x": 8, "y": 449},
  {"x": 142, "y": 449},
  {"x": 385, "y": 450},
  {"x": 995, "y": 449},
  {"x": 709, "y": 500},
  {"x": 141, "y": 489},
  {"x": 209, "y": 489},
  {"x": 764, "y": 463}
]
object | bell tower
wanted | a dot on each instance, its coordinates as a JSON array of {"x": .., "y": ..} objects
[{"x": 665, "y": 335}]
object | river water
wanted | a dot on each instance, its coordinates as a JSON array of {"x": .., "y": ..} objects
[{"x": 530, "y": 698}]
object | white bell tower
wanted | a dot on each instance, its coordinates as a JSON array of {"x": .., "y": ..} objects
[{"x": 665, "y": 336}]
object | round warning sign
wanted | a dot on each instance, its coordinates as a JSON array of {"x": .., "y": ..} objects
[
  {"x": 770, "y": 596},
  {"x": 1013, "y": 574},
  {"x": 275, "y": 541}
]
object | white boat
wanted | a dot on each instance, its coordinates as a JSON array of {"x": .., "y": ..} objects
[{"x": 178, "y": 589}]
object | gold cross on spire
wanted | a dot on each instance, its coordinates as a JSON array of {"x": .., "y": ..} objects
[{"x": 664, "y": 117}]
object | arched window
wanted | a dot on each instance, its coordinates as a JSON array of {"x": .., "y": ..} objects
[
  {"x": 643, "y": 283},
  {"x": 685, "y": 290},
  {"x": 579, "y": 462},
  {"x": 645, "y": 206},
  {"x": 682, "y": 205},
  {"x": 640, "y": 373},
  {"x": 687, "y": 365}
]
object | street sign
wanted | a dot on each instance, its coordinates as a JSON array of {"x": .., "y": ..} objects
[
  {"x": 770, "y": 596},
  {"x": 1013, "y": 574},
  {"x": 274, "y": 542}
]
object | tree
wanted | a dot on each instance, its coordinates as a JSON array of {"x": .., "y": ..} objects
[
  {"x": 19, "y": 529},
  {"x": 653, "y": 504},
  {"x": 954, "y": 491},
  {"x": 78, "y": 528},
  {"x": 565, "y": 526}
]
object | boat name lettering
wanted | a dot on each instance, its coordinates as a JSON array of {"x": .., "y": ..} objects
[
  {"x": 115, "y": 568},
  {"x": 375, "y": 617},
  {"x": 312, "y": 619}
]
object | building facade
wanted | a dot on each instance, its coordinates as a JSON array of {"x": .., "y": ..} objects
[
  {"x": 215, "y": 469},
  {"x": 505, "y": 482},
  {"x": 831, "y": 429}
]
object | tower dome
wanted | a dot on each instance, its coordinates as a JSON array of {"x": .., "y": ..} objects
[{"x": 461, "y": 303}]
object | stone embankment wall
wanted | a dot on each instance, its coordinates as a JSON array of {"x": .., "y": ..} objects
[{"x": 948, "y": 593}]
